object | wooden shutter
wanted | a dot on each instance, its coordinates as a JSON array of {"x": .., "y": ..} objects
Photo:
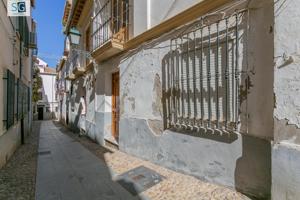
[{"x": 10, "y": 99}]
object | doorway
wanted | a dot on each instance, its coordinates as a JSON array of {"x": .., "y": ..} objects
[
  {"x": 115, "y": 105},
  {"x": 40, "y": 113}
]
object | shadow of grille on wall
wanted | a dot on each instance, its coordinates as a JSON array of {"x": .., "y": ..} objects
[{"x": 202, "y": 76}]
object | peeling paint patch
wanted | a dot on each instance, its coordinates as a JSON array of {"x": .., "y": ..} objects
[
  {"x": 245, "y": 89},
  {"x": 132, "y": 101},
  {"x": 156, "y": 126},
  {"x": 157, "y": 90},
  {"x": 283, "y": 131},
  {"x": 122, "y": 103},
  {"x": 107, "y": 128}
]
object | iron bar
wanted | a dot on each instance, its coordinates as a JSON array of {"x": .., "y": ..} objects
[
  {"x": 194, "y": 81},
  {"x": 177, "y": 84},
  {"x": 127, "y": 16},
  {"x": 182, "y": 84},
  {"x": 237, "y": 71},
  {"x": 188, "y": 78},
  {"x": 201, "y": 79},
  {"x": 169, "y": 87},
  {"x": 168, "y": 90},
  {"x": 232, "y": 91},
  {"x": 209, "y": 77},
  {"x": 217, "y": 77},
  {"x": 173, "y": 84},
  {"x": 226, "y": 75}
]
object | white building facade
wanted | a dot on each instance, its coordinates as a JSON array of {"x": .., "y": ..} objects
[
  {"x": 18, "y": 44},
  {"x": 208, "y": 88}
]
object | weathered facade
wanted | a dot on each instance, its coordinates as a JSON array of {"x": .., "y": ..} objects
[
  {"x": 61, "y": 91},
  {"x": 285, "y": 149},
  {"x": 18, "y": 42},
  {"x": 206, "y": 88}
]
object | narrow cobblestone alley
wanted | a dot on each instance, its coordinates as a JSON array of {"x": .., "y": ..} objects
[
  {"x": 66, "y": 170},
  {"x": 72, "y": 167}
]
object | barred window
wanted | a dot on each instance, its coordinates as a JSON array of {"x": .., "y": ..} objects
[
  {"x": 201, "y": 76},
  {"x": 110, "y": 20}
]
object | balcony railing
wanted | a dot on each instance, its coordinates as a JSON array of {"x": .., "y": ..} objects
[
  {"x": 111, "y": 23},
  {"x": 32, "y": 40}
]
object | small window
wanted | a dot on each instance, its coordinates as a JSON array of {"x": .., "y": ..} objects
[{"x": 47, "y": 109}]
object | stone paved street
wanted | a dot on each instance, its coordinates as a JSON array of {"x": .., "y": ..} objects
[
  {"x": 67, "y": 170},
  {"x": 72, "y": 167},
  {"x": 175, "y": 186},
  {"x": 17, "y": 178}
]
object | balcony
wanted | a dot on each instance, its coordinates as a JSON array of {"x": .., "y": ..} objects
[
  {"x": 32, "y": 44},
  {"x": 70, "y": 77},
  {"x": 75, "y": 65},
  {"x": 78, "y": 71},
  {"x": 111, "y": 27}
]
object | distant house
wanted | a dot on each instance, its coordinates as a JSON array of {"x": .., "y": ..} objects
[{"x": 47, "y": 106}]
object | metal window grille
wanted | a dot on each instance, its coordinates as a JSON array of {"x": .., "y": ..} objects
[
  {"x": 10, "y": 98},
  {"x": 202, "y": 77},
  {"x": 112, "y": 17}
]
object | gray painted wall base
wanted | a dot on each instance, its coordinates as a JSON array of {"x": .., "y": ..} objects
[
  {"x": 237, "y": 161},
  {"x": 285, "y": 171},
  {"x": 90, "y": 130},
  {"x": 99, "y": 134},
  {"x": 9, "y": 143}
]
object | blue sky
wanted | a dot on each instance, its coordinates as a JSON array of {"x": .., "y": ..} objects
[{"x": 48, "y": 15}]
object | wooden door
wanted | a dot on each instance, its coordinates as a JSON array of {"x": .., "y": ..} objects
[{"x": 115, "y": 105}]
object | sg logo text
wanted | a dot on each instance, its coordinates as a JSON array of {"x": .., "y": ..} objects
[{"x": 19, "y": 7}]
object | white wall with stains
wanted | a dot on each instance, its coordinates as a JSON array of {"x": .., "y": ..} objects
[
  {"x": 241, "y": 160},
  {"x": 286, "y": 147}
]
